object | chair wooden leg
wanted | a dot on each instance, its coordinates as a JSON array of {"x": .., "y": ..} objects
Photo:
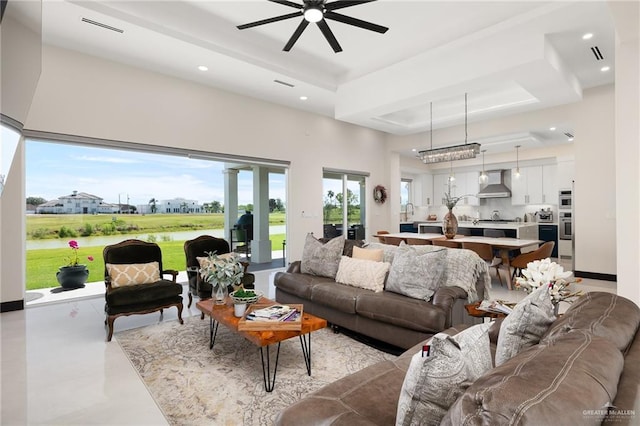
[
  {"x": 499, "y": 277},
  {"x": 180, "y": 313},
  {"x": 190, "y": 300},
  {"x": 110, "y": 320}
]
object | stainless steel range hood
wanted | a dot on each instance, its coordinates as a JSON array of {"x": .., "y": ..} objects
[{"x": 495, "y": 187}]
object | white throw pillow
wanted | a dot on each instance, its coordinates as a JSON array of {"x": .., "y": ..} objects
[
  {"x": 123, "y": 275},
  {"x": 524, "y": 327},
  {"x": 367, "y": 274},
  {"x": 433, "y": 383}
]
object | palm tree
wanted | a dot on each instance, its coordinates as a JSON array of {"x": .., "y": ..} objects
[{"x": 152, "y": 203}]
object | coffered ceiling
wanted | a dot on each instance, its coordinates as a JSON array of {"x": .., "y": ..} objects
[{"x": 509, "y": 57}]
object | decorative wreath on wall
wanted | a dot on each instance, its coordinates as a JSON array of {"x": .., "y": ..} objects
[{"x": 380, "y": 194}]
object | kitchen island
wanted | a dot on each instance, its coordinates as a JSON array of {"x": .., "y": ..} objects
[{"x": 524, "y": 230}]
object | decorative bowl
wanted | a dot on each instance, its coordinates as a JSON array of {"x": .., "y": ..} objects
[{"x": 251, "y": 299}]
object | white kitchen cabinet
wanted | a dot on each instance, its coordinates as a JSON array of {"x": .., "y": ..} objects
[
  {"x": 550, "y": 184},
  {"x": 566, "y": 172},
  {"x": 427, "y": 190},
  {"x": 440, "y": 187},
  {"x": 471, "y": 187},
  {"x": 536, "y": 185},
  {"x": 527, "y": 189}
]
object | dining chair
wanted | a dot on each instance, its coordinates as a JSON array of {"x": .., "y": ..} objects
[
  {"x": 394, "y": 241},
  {"x": 486, "y": 253},
  {"x": 520, "y": 262},
  {"x": 445, "y": 243},
  {"x": 380, "y": 236},
  {"x": 418, "y": 242}
]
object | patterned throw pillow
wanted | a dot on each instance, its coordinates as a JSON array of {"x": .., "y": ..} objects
[
  {"x": 370, "y": 254},
  {"x": 321, "y": 259},
  {"x": 367, "y": 274},
  {"x": 524, "y": 327},
  {"x": 123, "y": 275},
  {"x": 415, "y": 273},
  {"x": 433, "y": 383}
]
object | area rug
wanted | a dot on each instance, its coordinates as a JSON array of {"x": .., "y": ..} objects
[{"x": 194, "y": 385}]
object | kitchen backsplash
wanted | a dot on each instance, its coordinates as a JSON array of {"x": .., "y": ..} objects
[{"x": 484, "y": 211}]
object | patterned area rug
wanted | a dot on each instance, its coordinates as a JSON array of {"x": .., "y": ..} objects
[{"x": 194, "y": 385}]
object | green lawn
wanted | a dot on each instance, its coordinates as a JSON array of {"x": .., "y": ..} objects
[
  {"x": 47, "y": 226},
  {"x": 43, "y": 264}
]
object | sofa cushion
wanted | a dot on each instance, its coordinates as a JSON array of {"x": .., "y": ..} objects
[
  {"x": 416, "y": 274},
  {"x": 337, "y": 296},
  {"x": 349, "y": 245},
  {"x": 322, "y": 259},
  {"x": 603, "y": 314},
  {"x": 367, "y": 274},
  {"x": 370, "y": 254},
  {"x": 402, "y": 311},
  {"x": 524, "y": 327},
  {"x": 122, "y": 275},
  {"x": 299, "y": 284},
  {"x": 142, "y": 293},
  {"x": 434, "y": 382},
  {"x": 567, "y": 382}
]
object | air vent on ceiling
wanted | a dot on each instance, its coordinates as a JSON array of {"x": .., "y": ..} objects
[
  {"x": 284, "y": 83},
  {"x": 567, "y": 134},
  {"x": 101, "y": 25},
  {"x": 596, "y": 53}
]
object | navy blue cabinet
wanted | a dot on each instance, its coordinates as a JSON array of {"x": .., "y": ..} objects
[{"x": 549, "y": 233}]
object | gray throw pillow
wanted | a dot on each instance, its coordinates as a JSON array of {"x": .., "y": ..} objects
[
  {"x": 524, "y": 327},
  {"x": 416, "y": 273},
  {"x": 321, "y": 259},
  {"x": 388, "y": 250},
  {"x": 433, "y": 383}
]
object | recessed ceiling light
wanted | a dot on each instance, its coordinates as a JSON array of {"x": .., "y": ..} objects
[
  {"x": 303, "y": 98},
  {"x": 553, "y": 129},
  {"x": 570, "y": 139},
  {"x": 605, "y": 69},
  {"x": 413, "y": 149},
  {"x": 587, "y": 36},
  {"x": 203, "y": 68}
]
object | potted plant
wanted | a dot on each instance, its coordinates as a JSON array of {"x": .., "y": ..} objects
[
  {"x": 74, "y": 274},
  {"x": 241, "y": 298},
  {"x": 221, "y": 272}
]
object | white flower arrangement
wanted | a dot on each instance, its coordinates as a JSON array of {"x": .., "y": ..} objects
[{"x": 546, "y": 272}]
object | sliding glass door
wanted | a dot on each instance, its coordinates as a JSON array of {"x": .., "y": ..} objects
[{"x": 344, "y": 214}]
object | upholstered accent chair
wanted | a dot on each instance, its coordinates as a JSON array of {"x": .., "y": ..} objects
[
  {"x": 200, "y": 247},
  {"x": 133, "y": 277}
]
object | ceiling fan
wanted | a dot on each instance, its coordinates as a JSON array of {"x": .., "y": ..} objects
[{"x": 317, "y": 11}]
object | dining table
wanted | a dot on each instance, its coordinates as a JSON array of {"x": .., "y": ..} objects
[{"x": 503, "y": 245}]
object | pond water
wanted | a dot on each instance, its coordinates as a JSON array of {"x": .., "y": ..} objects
[{"x": 102, "y": 241}]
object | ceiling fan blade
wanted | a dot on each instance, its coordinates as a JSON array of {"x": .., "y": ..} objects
[
  {"x": 296, "y": 35},
  {"x": 269, "y": 20},
  {"x": 328, "y": 34},
  {"x": 334, "y": 5},
  {"x": 355, "y": 22},
  {"x": 288, "y": 3}
]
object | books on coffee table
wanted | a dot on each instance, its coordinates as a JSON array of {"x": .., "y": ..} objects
[{"x": 272, "y": 317}]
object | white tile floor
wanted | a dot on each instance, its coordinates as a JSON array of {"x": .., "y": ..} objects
[{"x": 57, "y": 368}]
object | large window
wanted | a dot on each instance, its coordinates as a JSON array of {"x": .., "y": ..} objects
[
  {"x": 99, "y": 195},
  {"x": 342, "y": 212},
  {"x": 405, "y": 193}
]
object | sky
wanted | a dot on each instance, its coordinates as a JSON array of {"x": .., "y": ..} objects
[{"x": 54, "y": 170}]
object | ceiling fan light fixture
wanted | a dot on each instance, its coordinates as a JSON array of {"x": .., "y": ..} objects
[{"x": 313, "y": 14}]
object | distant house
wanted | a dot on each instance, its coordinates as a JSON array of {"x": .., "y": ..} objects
[
  {"x": 178, "y": 205},
  {"x": 75, "y": 203}
]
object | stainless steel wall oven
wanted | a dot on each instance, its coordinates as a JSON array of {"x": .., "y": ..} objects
[{"x": 565, "y": 226}]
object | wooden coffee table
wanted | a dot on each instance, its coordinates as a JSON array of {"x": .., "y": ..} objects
[{"x": 223, "y": 314}]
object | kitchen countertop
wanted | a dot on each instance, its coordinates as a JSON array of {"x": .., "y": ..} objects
[{"x": 483, "y": 225}]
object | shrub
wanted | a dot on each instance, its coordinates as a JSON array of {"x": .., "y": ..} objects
[
  {"x": 108, "y": 229},
  {"x": 152, "y": 238},
  {"x": 165, "y": 238},
  {"x": 66, "y": 232},
  {"x": 40, "y": 233},
  {"x": 86, "y": 230}
]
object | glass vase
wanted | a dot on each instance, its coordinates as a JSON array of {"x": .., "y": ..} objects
[
  {"x": 219, "y": 293},
  {"x": 450, "y": 225}
]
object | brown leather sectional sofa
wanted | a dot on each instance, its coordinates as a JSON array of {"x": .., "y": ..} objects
[
  {"x": 584, "y": 370},
  {"x": 389, "y": 317}
]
